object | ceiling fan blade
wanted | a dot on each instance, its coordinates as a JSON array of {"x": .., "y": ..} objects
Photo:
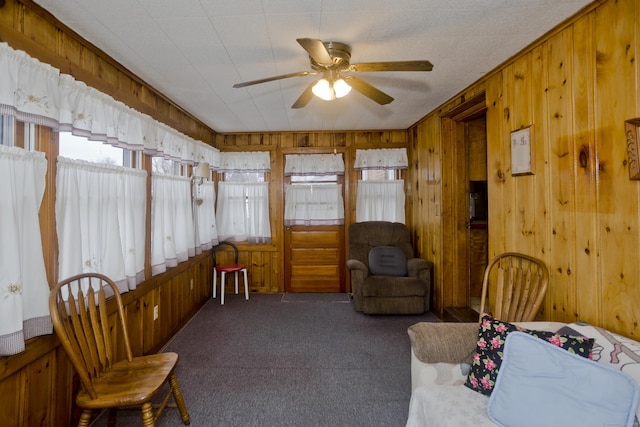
[
  {"x": 392, "y": 66},
  {"x": 270, "y": 79},
  {"x": 304, "y": 99},
  {"x": 317, "y": 50},
  {"x": 367, "y": 90}
]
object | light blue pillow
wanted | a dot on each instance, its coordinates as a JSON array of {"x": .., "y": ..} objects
[{"x": 541, "y": 385}]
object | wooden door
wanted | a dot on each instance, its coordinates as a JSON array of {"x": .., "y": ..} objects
[{"x": 314, "y": 259}]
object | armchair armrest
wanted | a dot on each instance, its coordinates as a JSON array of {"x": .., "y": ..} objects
[
  {"x": 443, "y": 342},
  {"x": 416, "y": 266},
  {"x": 354, "y": 264}
]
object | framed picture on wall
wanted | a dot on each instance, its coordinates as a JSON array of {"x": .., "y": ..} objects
[{"x": 521, "y": 152}]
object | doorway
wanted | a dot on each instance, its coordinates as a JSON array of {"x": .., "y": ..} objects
[
  {"x": 466, "y": 202},
  {"x": 314, "y": 235}
]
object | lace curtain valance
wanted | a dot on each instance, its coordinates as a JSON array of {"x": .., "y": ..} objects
[
  {"x": 245, "y": 161},
  {"x": 314, "y": 164},
  {"x": 38, "y": 93},
  {"x": 384, "y": 158}
]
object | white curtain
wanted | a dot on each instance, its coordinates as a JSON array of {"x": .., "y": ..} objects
[
  {"x": 205, "y": 216},
  {"x": 380, "y": 201},
  {"x": 245, "y": 161},
  {"x": 172, "y": 222},
  {"x": 38, "y": 93},
  {"x": 243, "y": 212},
  {"x": 24, "y": 291},
  {"x": 28, "y": 88},
  {"x": 311, "y": 204},
  {"x": 100, "y": 220},
  {"x": 313, "y": 164},
  {"x": 383, "y": 158}
]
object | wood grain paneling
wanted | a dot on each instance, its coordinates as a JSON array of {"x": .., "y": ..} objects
[{"x": 579, "y": 211}]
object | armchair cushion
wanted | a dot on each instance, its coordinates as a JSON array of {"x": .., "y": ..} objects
[{"x": 387, "y": 261}]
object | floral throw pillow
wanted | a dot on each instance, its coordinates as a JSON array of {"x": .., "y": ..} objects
[{"x": 489, "y": 350}]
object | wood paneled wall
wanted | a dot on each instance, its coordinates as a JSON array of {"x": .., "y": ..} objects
[
  {"x": 38, "y": 385},
  {"x": 579, "y": 211},
  {"x": 266, "y": 262}
]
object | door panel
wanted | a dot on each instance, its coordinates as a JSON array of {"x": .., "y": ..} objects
[{"x": 314, "y": 259}]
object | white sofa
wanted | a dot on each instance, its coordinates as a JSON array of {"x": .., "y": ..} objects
[{"x": 440, "y": 358}]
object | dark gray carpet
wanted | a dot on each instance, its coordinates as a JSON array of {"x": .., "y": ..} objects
[{"x": 291, "y": 360}]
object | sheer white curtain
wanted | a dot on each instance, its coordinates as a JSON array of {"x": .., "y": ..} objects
[
  {"x": 24, "y": 291},
  {"x": 172, "y": 226},
  {"x": 380, "y": 201},
  {"x": 311, "y": 204},
  {"x": 243, "y": 212},
  {"x": 243, "y": 207},
  {"x": 205, "y": 217},
  {"x": 100, "y": 220}
]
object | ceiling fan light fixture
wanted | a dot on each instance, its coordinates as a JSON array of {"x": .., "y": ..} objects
[
  {"x": 324, "y": 89},
  {"x": 341, "y": 88}
]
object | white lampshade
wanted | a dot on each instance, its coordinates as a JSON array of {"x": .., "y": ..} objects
[
  {"x": 323, "y": 90},
  {"x": 202, "y": 171},
  {"x": 341, "y": 88}
]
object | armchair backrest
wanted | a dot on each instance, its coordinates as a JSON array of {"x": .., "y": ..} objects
[{"x": 363, "y": 236}]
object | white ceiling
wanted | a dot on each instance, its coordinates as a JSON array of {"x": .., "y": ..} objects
[{"x": 193, "y": 51}]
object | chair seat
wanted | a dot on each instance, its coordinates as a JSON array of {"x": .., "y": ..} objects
[
  {"x": 229, "y": 268},
  {"x": 130, "y": 382}
]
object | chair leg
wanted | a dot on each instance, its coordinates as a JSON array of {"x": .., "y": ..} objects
[
  {"x": 246, "y": 284},
  {"x": 215, "y": 277},
  {"x": 236, "y": 283},
  {"x": 222, "y": 283},
  {"x": 177, "y": 395},
  {"x": 147, "y": 415},
  {"x": 85, "y": 418}
]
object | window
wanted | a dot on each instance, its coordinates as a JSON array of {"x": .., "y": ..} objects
[
  {"x": 81, "y": 148},
  {"x": 380, "y": 174},
  {"x": 14, "y": 133},
  {"x": 242, "y": 212},
  {"x": 243, "y": 177},
  {"x": 314, "y": 193},
  {"x": 6, "y": 130},
  {"x": 313, "y": 179},
  {"x": 100, "y": 211},
  {"x": 380, "y": 194},
  {"x": 167, "y": 166}
]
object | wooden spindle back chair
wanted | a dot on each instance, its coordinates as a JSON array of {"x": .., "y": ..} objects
[
  {"x": 518, "y": 283},
  {"x": 89, "y": 333}
]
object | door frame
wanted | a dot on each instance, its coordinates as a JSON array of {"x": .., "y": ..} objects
[
  {"x": 345, "y": 284},
  {"x": 455, "y": 201}
]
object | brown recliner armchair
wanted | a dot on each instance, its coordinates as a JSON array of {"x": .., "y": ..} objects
[{"x": 386, "y": 278}]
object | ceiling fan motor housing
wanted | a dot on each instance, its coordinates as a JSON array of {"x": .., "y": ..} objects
[{"x": 340, "y": 54}]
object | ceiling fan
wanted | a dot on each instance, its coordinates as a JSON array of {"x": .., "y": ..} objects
[{"x": 331, "y": 60}]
